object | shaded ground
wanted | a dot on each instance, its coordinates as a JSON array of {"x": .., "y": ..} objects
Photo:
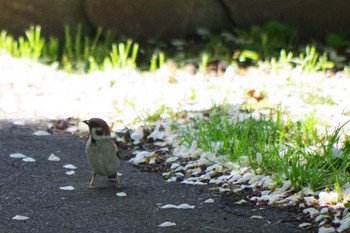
[{"x": 32, "y": 189}]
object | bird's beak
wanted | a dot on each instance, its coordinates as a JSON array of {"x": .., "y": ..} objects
[{"x": 87, "y": 122}]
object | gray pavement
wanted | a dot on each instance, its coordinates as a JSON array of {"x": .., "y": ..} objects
[{"x": 33, "y": 190}]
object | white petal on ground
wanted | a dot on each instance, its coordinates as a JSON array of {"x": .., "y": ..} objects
[
  {"x": 164, "y": 149},
  {"x": 72, "y": 129},
  {"x": 28, "y": 160},
  {"x": 156, "y": 134},
  {"x": 161, "y": 144},
  {"x": 167, "y": 224},
  {"x": 324, "y": 211},
  {"x": 172, "y": 179},
  {"x": 18, "y": 123},
  {"x": 67, "y": 188},
  {"x": 216, "y": 167},
  {"x": 210, "y": 200},
  {"x": 180, "y": 174},
  {"x": 140, "y": 157},
  {"x": 171, "y": 159},
  {"x": 321, "y": 217},
  {"x": 241, "y": 202},
  {"x": 326, "y": 230},
  {"x": 121, "y": 194},
  {"x": 181, "y": 206},
  {"x": 41, "y": 133},
  {"x": 246, "y": 177},
  {"x": 312, "y": 212},
  {"x": 70, "y": 172},
  {"x": 328, "y": 197},
  {"x": 169, "y": 206},
  {"x": 222, "y": 190},
  {"x": 185, "y": 206},
  {"x": 137, "y": 135},
  {"x": 256, "y": 217},
  {"x": 286, "y": 185},
  {"x": 310, "y": 200},
  {"x": 17, "y": 155},
  {"x": 20, "y": 218},
  {"x": 137, "y": 160},
  {"x": 193, "y": 183},
  {"x": 69, "y": 166},
  {"x": 344, "y": 225},
  {"x": 174, "y": 166},
  {"x": 305, "y": 224},
  {"x": 53, "y": 158}
]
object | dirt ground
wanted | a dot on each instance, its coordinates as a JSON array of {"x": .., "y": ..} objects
[{"x": 33, "y": 190}]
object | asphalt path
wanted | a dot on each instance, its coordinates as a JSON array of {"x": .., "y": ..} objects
[{"x": 32, "y": 189}]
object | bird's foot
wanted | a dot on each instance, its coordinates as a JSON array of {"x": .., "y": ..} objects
[
  {"x": 92, "y": 184},
  {"x": 117, "y": 183}
]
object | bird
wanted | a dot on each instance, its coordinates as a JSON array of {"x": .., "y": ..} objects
[{"x": 101, "y": 151}]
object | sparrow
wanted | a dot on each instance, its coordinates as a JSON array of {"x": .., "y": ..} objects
[{"x": 102, "y": 153}]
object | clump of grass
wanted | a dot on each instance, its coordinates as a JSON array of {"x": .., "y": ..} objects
[
  {"x": 204, "y": 63},
  {"x": 312, "y": 61},
  {"x": 29, "y": 46},
  {"x": 79, "y": 52},
  {"x": 296, "y": 151},
  {"x": 91, "y": 55},
  {"x": 122, "y": 55},
  {"x": 273, "y": 42},
  {"x": 157, "y": 61}
]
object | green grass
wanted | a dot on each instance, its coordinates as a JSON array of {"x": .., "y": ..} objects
[
  {"x": 294, "y": 151},
  {"x": 79, "y": 53},
  {"x": 274, "y": 43}
]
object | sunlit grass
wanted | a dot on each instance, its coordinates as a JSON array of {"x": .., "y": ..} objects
[
  {"x": 274, "y": 43},
  {"x": 288, "y": 150}
]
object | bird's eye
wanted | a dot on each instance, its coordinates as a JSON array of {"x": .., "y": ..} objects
[{"x": 99, "y": 131}]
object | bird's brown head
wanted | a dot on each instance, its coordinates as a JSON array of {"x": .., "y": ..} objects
[{"x": 98, "y": 127}]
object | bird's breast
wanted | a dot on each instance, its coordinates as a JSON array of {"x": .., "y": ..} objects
[{"x": 102, "y": 157}]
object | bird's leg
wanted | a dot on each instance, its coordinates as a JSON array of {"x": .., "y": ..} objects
[
  {"x": 117, "y": 182},
  {"x": 93, "y": 182}
]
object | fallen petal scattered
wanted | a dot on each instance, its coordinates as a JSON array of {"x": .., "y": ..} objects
[
  {"x": 67, "y": 188},
  {"x": 69, "y": 166},
  {"x": 185, "y": 206},
  {"x": 137, "y": 135},
  {"x": 326, "y": 230},
  {"x": 20, "y": 218},
  {"x": 241, "y": 202},
  {"x": 17, "y": 155},
  {"x": 28, "y": 160},
  {"x": 169, "y": 206},
  {"x": 305, "y": 224},
  {"x": 18, "y": 123},
  {"x": 344, "y": 225},
  {"x": 161, "y": 144},
  {"x": 210, "y": 200},
  {"x": 70, "y": 173},
  {"x": 167, "y": 224},
  {"x": 181, "y": 206},
  {"x": 121, "y": 194},
  {"x": 41, "y": 133},
  {"x": 53, "y": 158}
]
